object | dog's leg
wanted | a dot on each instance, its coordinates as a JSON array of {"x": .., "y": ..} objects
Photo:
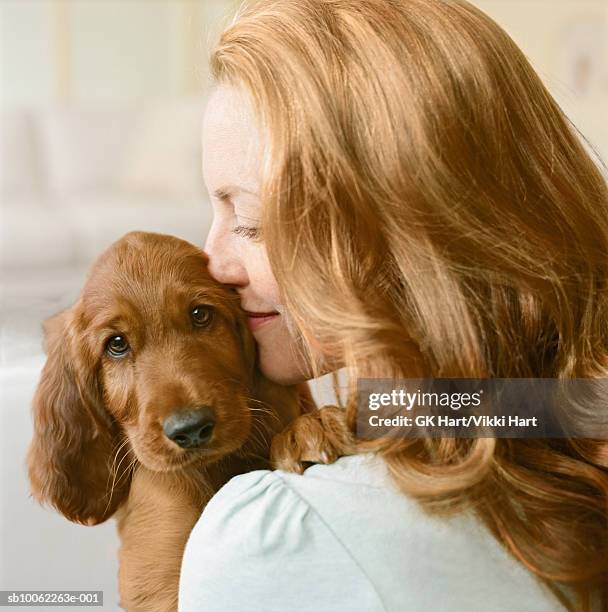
[
  {"x": 316, "y": 437},
  {"x": 154, "y": 526}
]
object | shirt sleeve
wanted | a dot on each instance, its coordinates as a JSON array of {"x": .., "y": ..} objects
[{"x": 259, "y": 546}]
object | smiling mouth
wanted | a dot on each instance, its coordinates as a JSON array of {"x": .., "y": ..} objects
[
  {"x": 255, "y": 320},
  {"x": 260, "y": 314}
]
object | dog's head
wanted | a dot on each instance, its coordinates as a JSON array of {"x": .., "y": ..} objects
[{"x": 154, "y": 363}]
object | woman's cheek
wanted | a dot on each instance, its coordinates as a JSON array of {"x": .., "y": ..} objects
[{"x": 261, "y": 278}]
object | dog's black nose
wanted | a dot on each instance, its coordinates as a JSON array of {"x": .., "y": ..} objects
[{"x": 191, "y": 428}]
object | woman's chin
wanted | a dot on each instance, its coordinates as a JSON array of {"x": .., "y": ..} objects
[
  {"x": 280, "y": 359},
  {"x": 280, "y": 367}
]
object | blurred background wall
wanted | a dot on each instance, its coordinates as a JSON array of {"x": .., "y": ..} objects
[
  {"x": 100, "y": 51},
  {"x": 101, "y": 107}
]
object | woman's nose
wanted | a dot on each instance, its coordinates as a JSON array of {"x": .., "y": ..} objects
[{"x": 224, "y": 265}]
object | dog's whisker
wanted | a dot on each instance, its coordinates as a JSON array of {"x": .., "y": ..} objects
[
  {"x": 127, "y": 469},
  {"x": 120, "y": 462},
  {"x": 256, "y": 400},
  {"x": 260, "y": 433},
  {"x": 122, "y": 442},
  {"x": 114, "y": 472},
  {"x": 262, "y": 404},
  {"x": 115, "y": 484},
  {"x": 261, "y": 413}
]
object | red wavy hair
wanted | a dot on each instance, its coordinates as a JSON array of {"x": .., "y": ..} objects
[{"x": 429, "y": 210}]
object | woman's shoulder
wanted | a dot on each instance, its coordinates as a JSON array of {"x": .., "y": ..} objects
[
  {"x": 319, "y": 485},
  {"x": 344, "y": 531},
  {"x": 269, "y": 503},
  {"x": 260, "y": 545}
]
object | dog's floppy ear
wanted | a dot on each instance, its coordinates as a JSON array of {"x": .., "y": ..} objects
[{"x": 71, "y": 454}]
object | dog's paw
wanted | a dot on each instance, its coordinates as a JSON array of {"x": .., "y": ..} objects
[{"x": 316, "y": 437}]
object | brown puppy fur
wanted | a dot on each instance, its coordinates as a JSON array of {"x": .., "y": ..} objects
[
  {"x": 99, "y": 448},
  {"x": 320, "y": 436}
]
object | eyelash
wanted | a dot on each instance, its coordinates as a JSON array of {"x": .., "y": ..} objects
[{"x": 247, "y": 232}]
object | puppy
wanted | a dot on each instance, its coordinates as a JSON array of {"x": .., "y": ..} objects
[{"x": 149, "y": 401}]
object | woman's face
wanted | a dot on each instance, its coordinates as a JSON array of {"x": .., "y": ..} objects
[{"x": 232, "y": 157}]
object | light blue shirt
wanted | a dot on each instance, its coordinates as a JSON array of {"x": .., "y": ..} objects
[{"x": 341, "y": 538}]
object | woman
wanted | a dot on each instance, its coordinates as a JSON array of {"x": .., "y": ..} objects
[{"x": 395, "y": 192}]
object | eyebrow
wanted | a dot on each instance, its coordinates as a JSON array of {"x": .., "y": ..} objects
[{"x": 225, "y": 192}]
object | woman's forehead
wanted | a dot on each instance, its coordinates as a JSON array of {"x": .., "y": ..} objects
[
  {"x": 230, "y": 140},
  {"x": 229, "y": 122}
]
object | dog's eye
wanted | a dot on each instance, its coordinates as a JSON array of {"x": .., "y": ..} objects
[
  {"x": 117, "y": 346},
  {"x": 201, "y": 315}
]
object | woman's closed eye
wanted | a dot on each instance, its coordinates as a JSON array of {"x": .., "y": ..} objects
[
  {"x": 247, "y": 221},
  {"x": 253, "y": 233}
]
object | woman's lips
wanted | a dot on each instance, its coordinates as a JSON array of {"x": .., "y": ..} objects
[{"x": 256, "y": 319}]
